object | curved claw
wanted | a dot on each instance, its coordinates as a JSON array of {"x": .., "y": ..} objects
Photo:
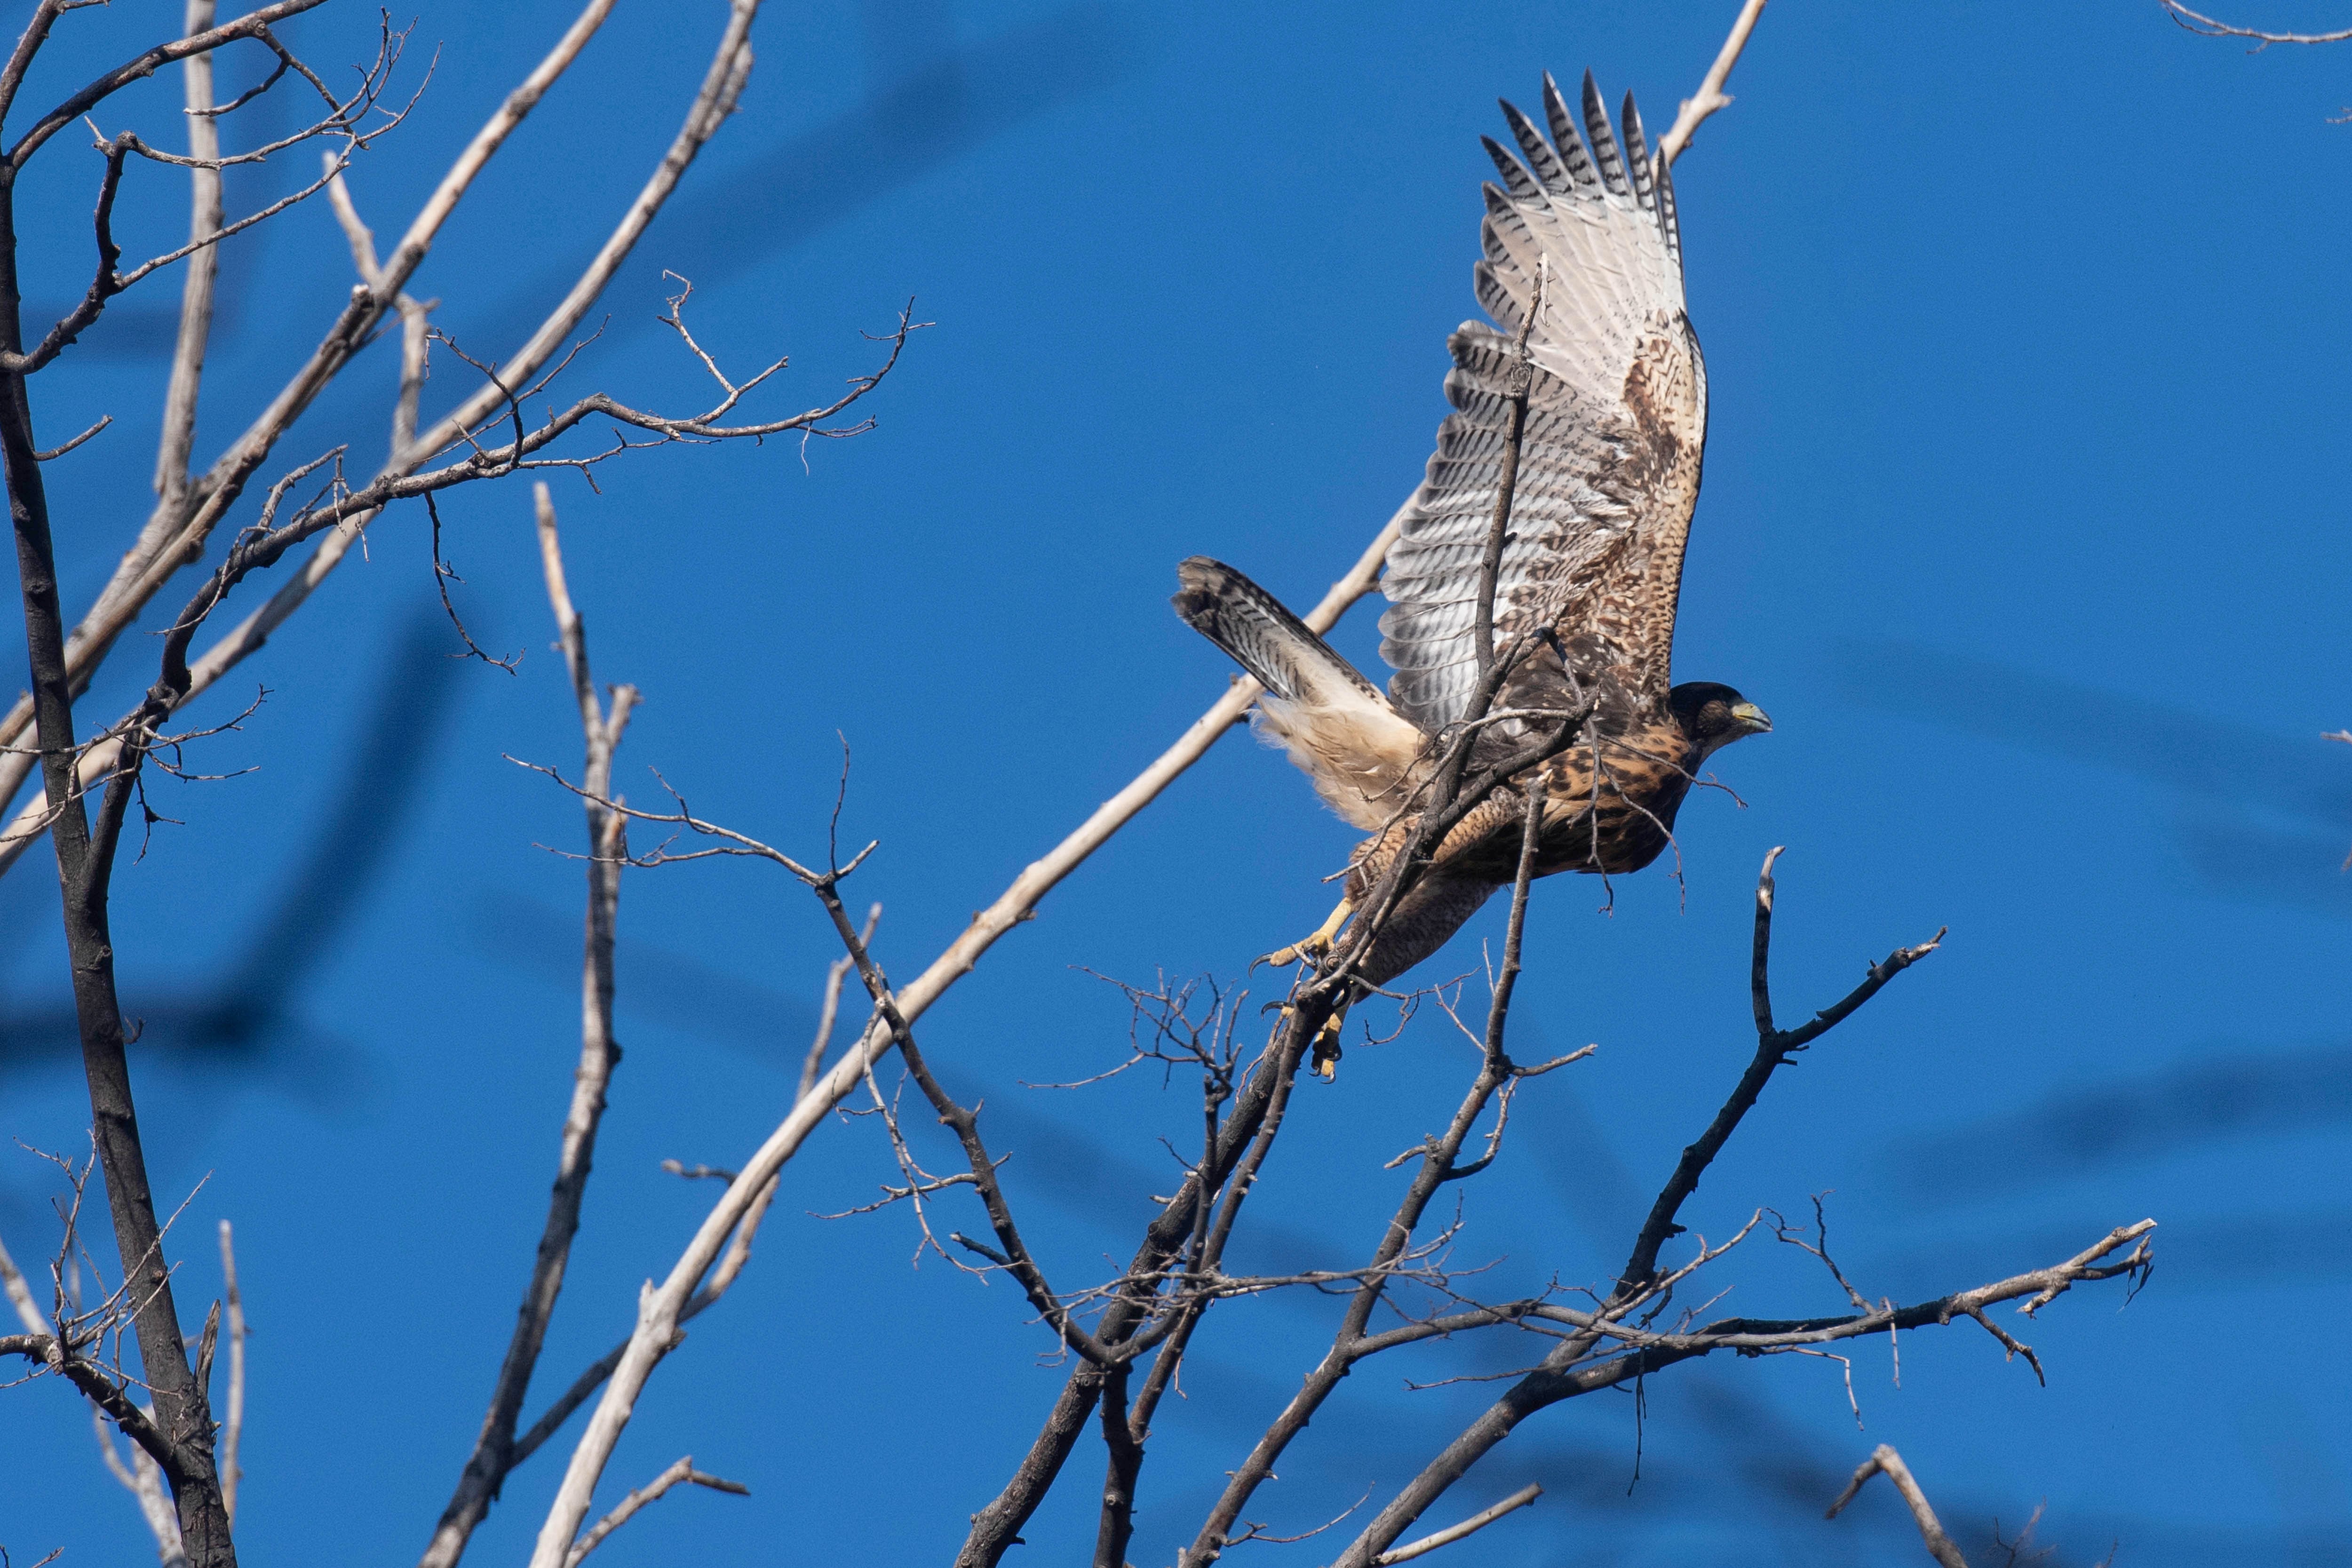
[{"x": 1316, "y": 944}]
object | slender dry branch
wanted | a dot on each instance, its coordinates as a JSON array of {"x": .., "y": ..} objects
[
  {"x": 233, "y": 1432},
  {"x": 2200, "y": 23},
  {"x": 1884, "y": 1460},
  {"x": 1710, "y": 96},
  {"x": 834, "y": 975},
  {"x": 252, "y": 24},
  {"x": 682, "y": 1473},
  {"x": 1775, "y": 1048},
  {"x": 1471, "y": 1526},
  {"x": 163, "y": 548},
  {"x": 1016, "y": 1257},
  {"x": 601, "y": 727},
  {"x": 344, "y": 521},
  {"x": 52, "y": 454}
]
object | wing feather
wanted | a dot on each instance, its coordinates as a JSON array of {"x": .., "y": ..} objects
[{"x": 1609, "y": 465}]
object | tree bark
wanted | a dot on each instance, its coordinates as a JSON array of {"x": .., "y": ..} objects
[{"x": 84, "y": 864}]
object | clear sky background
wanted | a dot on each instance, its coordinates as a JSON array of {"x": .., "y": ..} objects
[{"x": 2025, "y": 519}]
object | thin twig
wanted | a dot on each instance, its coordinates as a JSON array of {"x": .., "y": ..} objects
[
  {"x": 2197, "y": 22},
  {"x": 1471, "y": 1526},
  {"x": 682, "y": 1473},
  {"x": 834, "y": 975}
]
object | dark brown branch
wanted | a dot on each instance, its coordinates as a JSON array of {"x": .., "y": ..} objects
[
  {"x": 1560, "y": 1375},
  {"x": 1774, "y": 1050},
  {"x": 102, "y": 288},
  {"x": 1116, "y": 1527},
  {"x": 28, "y": 43},
  {"x": 1438, "y": 1166},
  {"x": 182, "y": 1413},
  {"x": 995, "y": 1527},
  {"x": 1018, "y": 1261},
  {"x": 100, "y": 1390}
]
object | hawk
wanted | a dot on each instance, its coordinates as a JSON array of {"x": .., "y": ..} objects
[{"x": 1581, "y": 276}]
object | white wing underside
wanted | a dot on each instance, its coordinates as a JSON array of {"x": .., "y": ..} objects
[{"x": 1616, "y": 422}]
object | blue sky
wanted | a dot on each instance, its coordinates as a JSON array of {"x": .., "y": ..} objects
[{"x": 2025, "y": 340}]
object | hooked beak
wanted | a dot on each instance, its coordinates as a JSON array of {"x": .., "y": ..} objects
[{"x": 1751, "y": 716}]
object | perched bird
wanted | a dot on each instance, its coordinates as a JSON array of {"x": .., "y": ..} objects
[{"x": 1582, "y": 277}]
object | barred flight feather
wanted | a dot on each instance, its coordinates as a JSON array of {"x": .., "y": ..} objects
[{"x": 1610, "y": 454}]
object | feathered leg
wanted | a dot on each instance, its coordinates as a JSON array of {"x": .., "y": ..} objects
[{"x": 1421, "y": 924}]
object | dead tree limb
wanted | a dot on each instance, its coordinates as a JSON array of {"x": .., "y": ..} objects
[{"x": 601, "y": 727}]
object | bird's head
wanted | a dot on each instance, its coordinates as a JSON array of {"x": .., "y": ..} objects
[{"x": 1713, "y": 715}]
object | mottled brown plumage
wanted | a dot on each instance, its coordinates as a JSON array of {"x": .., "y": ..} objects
[{"x": 1582, "y": 260}]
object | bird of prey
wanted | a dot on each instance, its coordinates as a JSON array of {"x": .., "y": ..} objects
[{"x": 1582, "y": 277}]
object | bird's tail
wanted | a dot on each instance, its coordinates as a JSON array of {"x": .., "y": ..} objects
[
  {"x": 1361, "y": 753},
  {"x": 1262, "y": 635}
]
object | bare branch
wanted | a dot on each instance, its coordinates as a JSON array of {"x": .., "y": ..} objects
[
  {"x": 1471, "y": 1526},
  {"x": 53, "y": 453},
  {"x": 1884, "y": 1460},
  {"x": 1773, "y": 1050},
  {"x": 234, "y": 1432},
  {"x": 1711, "y": 96},
  {"x": 494, "y": 1451},
  {"x": 836, "y": 973},
  {"x": 679, "y": 1474},
  {"x": 252, "y": 24},
  {"x": 2200, "y": 23}
]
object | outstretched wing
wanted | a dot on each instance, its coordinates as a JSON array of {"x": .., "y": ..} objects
[{"x": 1609, "y": 464}]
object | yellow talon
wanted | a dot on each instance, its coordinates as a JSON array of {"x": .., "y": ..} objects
[{"x": 1315, "y": 945}]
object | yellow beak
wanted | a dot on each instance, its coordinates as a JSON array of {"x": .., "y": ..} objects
[{"x": 1747, "y": 713}]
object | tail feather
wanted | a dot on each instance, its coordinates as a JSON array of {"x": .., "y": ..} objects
[
  {"x": 1264, "y": 637},
  {"x": 1361, "y": 753}
]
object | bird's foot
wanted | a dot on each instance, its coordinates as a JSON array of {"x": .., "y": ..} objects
[
  {"x": 1323, "y": 1055},
  {"x": 1317, "y": 944},
  {"x": 1323, "y": 1052}
]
